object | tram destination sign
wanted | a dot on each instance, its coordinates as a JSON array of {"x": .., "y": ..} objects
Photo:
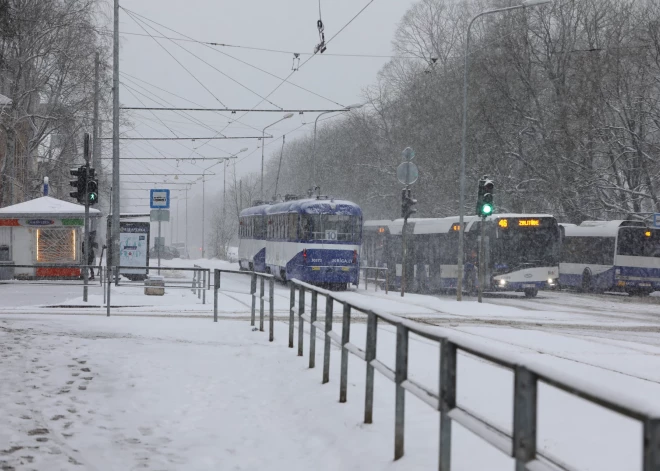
[{"x": 656, "y": 220}]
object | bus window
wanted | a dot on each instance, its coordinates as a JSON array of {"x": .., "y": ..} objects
[
  {"x": 639, "y": 242},
  {"x": 588, "y": 250}
]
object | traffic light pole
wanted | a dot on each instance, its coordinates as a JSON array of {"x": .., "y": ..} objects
[
  {"x": 482, "y": 258},
  {"x": 87, "y": 243},
  {"x": 403, "y": 255}
]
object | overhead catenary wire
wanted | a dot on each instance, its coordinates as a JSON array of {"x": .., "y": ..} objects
[
  {"x": 287, "y": 78},
  {"x": 175, "y": 59},
  {"x": 275, "y": 51},
  {"x": 237, "y": 59},
  {"x": 205, "y": 62}
]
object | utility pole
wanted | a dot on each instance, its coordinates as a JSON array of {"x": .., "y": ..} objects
[
  {"x": 115, "y": 141},
  {"x": 203, "y": 213},
  {"x": 96, "y": 142},
  {"x": 187, "y": 248},
  {"x": 88, "y": 248}
]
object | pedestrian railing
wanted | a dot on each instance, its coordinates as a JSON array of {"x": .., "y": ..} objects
[
  {"x": 254, "y": 277},
  {"x": 377, "y": 271},
  {"x": 199, "y": 282},
  {"x": 521, "y": 444}
]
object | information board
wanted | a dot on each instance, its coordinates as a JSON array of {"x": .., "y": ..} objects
[{"x": 134, "y": 247}]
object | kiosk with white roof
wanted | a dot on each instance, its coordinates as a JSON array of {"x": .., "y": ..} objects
[{"x": 44, "y": 231}]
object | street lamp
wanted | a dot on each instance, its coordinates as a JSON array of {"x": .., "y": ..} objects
[
  {"x": 263, "y": 144},
  {"x": 348, "y": 108},
  {"x": 461, "y": 234}
]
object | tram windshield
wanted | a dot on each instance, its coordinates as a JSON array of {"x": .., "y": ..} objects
[
  {"x": 639, "y": 242},
  {"x": 337, "y": 227}
]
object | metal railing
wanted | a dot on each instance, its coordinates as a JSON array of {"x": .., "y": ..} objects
[
  {"x": 254, "y": 276},
  {"x": 521, "y": 444},
  {"x": 199, "y": 282},
  {"x": 377, "y": 270}
]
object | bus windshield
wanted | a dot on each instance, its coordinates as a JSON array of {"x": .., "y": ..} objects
[
  {"x": 639, "y": 242},
  {"x": 515, "y": 246}
]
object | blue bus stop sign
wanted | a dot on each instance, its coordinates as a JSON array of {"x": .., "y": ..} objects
[
  {"x": 160, "y": 199},
  {"x": 656, "y": 220}
]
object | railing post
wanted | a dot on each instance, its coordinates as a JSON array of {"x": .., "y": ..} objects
[
  {"x": 370, "y": 354},
  {"x": 271, "y": 308},
  {"x": 199, "y": 284},
  {"x": 651, "y": 445},
  {"x": 261, "y": 305},
  {"x": 216, "y": 287},
  {"x": 204, "y": 288},
  {"x": 301, "y": 311},
  {"x": 387, "y": 280},
  {"x": 292, "y": 304},
  {"x": 312, "y": 330},
  {"x": 524, "y": 417},
  {"x": 109, "y": 271},
  {"x": 345, "y": 338},
  {"x": 329, "y": 301},
  {"x": 400, "y": 375},
  {"x": 253, "y": 292},
  {"x": 447, "y": 400},
  {"x": 366, "y": 278},
  {"x": 103, "y": 274}
]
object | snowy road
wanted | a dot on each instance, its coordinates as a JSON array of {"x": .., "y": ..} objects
[{"x": 141, "y": 390}]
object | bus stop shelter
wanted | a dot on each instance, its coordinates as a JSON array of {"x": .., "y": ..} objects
[{"x": 43, "y": 231}]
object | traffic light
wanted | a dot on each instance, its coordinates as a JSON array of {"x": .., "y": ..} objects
[
  {"x": 92, "y": 187},
  {"x": 485, "y": 205},
  {"x": 407, "y": 203},
  {"x": 79, "y": 184}
]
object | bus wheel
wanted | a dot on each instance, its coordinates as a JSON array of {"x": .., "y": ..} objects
[
  {"x": 531, "y": 292},
  {"x": 586, "y": 281}
]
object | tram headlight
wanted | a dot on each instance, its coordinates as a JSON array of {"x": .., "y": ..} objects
[
  {"x": 502, "y": 283},
  {"x": 551, "y": 281}
]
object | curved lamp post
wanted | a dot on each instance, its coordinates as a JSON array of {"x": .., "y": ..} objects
[
  {"x": 348, "y": 108},
  {"x": 461, "y": 235}
]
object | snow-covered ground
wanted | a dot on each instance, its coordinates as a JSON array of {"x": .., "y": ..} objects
[{"x": 160, "y": 386}]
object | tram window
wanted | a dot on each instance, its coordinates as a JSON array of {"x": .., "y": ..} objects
[{"x": 293, "y": 226}]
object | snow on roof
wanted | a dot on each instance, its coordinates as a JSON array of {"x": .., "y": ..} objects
[
  {"x": 4, "y": 100},
  {"x": 46, "y": 206},
  {"x": 599, "y": 228}
]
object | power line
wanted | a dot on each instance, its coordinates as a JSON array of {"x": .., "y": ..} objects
[
  {"x": 184, "y": 138},
  {"x": 276, "y": 51},
  {"x": 207, "y": 63},
  {"x": 177, "y": 60},
  {"x": 233, "y": 110},
  {"x": 237, "y": 59}
]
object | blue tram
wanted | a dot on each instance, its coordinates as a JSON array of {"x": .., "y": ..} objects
[{"x": 314, "y": 240}]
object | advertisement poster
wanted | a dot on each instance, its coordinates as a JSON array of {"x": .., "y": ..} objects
[{"x": 134, "y": 246}]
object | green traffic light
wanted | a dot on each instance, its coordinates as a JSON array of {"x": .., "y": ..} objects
[
  {"x": 486, "y": 209},
  {"x": 93, "y": 197}
]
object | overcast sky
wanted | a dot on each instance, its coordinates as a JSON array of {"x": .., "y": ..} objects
[{"x": 287, "y": 25}]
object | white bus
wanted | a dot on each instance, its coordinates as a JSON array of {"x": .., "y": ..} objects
[
  {"x": 610, "y": 256},
  {"x": 521, "y": 252}
]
